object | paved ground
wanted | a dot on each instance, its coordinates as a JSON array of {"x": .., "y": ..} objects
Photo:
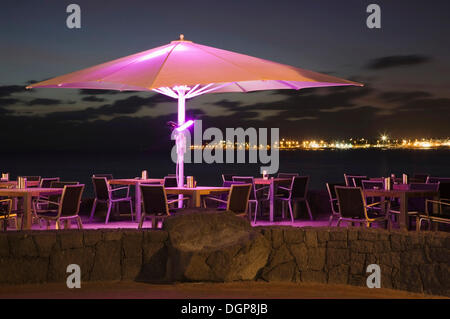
[{"x": 236, "y": 290}]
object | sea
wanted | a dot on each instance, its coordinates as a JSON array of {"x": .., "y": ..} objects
[{"x": 321, "y": 165}]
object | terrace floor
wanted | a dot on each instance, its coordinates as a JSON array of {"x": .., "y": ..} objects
[
  {"x": 244, "y": 290},
  {"x": 124, "y": 221}
]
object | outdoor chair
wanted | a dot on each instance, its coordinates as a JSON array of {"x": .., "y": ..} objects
[
  {"x": 443, "y": 206},
  {"x": 227, "y": 177},
  {"x": 372, "y": 184},
  {"x": 155, "y": 204},
  {"x": 220, "y": 195},
  {"x": 105, "y": 194},
  {"x": 296, "y": 193},
  {"x": 287, "y": 175},
  {"x": 68, "y": 207},
  {"x": 6, "y": 213},
  {"x": 108, "y": 176},
  {"x": 285, "y": 184},
  {"x": 435, "y": 179},
  {"x": 254, "y": 199},
  {"x": 46, "y": 182},
  {"x": 47, "y": 203},
  {"x": 238, "y": 198},
  {"x": 353, "y": 207},
  {"x": 419, "y": 178},
  {"x": 417, "y": 206},
  {"x": 354, "y": 180},
  {"x": 333, "y": 201}
]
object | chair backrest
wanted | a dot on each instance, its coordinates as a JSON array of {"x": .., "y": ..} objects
[
  {"x": 366, "y": 184},
  {"x": 101, "y": 188},
  {"x": 332, "y": 195},
  {"x": 424, "y": 186},
  {"x": 299, "y": 186},
  {"x": 444, "y": 190},
  {"x": 247, "y": 180},
  {"x": 108, "y": 176},
  {"x": 46, "y": 182},
  {"x": 420, "y": 178},
  {"x": 59, "y": 184},
  {"x": 70, "y": 200},
  {"x": 55, "y": 198},
  {"x": 417, "y": 203},
  {"x": 351, "y": 202},
  {"x": 170, "y": 181},
  {"x": 32, "y": 178},
  {"x": 287, "y": 175},
  {"x": 435, "y": 179},
  {"x": 227, "y": 177},
  {"x": 350, "y": 180},
  {"x": 238, "y": 198},
  {"x": 154, "y": 200}
]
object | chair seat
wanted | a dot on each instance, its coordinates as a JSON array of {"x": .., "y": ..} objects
[{"x": 48, "y": 214}]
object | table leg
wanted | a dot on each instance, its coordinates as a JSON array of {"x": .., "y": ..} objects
[
  {"x": 27, "y": 211},
  {"x": 197, "y": 199},
  {"x": 272, "y": 200},
  {"x": 137, "y": 208},
  {"x": 403, "y": 218}
]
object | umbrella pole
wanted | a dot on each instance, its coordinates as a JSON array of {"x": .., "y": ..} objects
[{"x": 181, "y": 141}]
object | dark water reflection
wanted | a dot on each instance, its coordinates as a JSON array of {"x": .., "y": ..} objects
[{"x": 321, "y": 166}]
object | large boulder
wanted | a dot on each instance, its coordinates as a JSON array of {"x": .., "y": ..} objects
[{"x": 213, "y": 246}]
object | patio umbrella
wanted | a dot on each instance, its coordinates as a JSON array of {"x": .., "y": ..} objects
[{"x": 183, "y": 69}]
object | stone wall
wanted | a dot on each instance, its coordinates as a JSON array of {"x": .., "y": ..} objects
[{"x": 222, "y": 247}]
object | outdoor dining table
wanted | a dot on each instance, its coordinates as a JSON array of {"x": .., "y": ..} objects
[
  {"x": 403, "y": 193},
  {"x": 137, "y": 193},
  {"x": 195, "y": 193},
  {"x": 8, "y": 184},
  {"x": 27, "y": 194},
  {"x": 272, "y": 183}
]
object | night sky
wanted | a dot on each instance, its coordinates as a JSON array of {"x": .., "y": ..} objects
[{"x": 405, "y": 67}]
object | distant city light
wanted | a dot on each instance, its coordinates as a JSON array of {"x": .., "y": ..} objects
[{"x": 351, "y": 143}]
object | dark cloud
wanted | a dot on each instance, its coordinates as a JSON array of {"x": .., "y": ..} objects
[
  {"x": 437, "y": 105},
  {"x": 393, "y": 96},
  {"x": 397, "y": 60},
  {"x": 7, "y": 90},
  {"x": 100, "y": 92},
  {"x": 42, "y": 101},
  {"x": 8, "y": 101},
  {"x": 93, "y": 98}
]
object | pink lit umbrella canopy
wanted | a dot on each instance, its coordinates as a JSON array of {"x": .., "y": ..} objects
[{"x": 183, "y": 69}]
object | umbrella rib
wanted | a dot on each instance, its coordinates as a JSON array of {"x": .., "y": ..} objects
[
  {"x": 243, "y": 90},
  {"x": 125, "y": 66},
  {"x": 162, "y": 65},
  {"x": 288, "y": 84},
  {"x": 229, "y": 62}
]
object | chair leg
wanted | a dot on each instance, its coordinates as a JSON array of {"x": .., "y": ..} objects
[
  {"x": 309, "y": 209},
  {"x": 48, "y": 224},
  {"x": 109, "y": 212},
  {"x": 339, "y": 222},
  {"x": 57, "y": 225},
  {"x": 153, "y": 222},
  {"x": 94, "y": 205},
  {"x": 131, "y": 210},
  {"x": 330, "y": 220},
  {"x": 80, "y": 224},
  {"x": 142, "y": 220},
  {"x": 290, "y": 211}
]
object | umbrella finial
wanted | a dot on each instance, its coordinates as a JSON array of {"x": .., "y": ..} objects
[{"x": 181, "y": 37}]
